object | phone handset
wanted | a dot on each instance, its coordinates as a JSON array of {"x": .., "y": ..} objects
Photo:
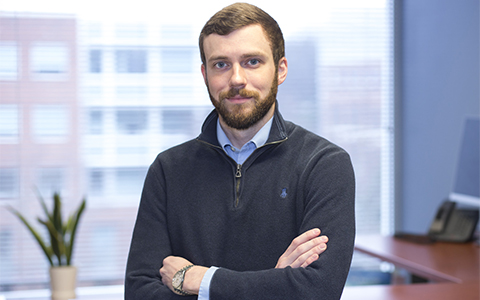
[{"x": 441, "y": 218}]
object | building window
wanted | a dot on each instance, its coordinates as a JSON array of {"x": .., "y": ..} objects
[
  {"x": 9, "y": 121},
  {"x": 51, "y": 180},
  {"x": 95, "y": 60},
  {"x": 96, "y": 182},
  {"x": 50, "y": 121},
  {"x": 7, "y": 257},
  {"x": 177, "y": 121},
  {"x": 8, "y": 61},
  {"x": 132, "y": 121},
  {"x": 131, "y": 61},
  {"x": 49, "y": 59},
  {"x": 95, "y": 123},
  {"x": 178, "y": 60},
  {"x": 9, "y": 184}
]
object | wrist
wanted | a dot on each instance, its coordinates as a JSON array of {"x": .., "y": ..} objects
[{"x": 193, "y": 279}]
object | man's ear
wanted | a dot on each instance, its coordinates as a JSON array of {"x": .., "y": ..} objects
[
  {"x": 204, "y": 73},
  {"x": 282, "y": 70}
]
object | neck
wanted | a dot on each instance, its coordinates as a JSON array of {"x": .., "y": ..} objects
[{"x": 241, "y": 137}]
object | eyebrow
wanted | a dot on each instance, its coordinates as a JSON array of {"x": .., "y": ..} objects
[{"x": 244, "y": 56}]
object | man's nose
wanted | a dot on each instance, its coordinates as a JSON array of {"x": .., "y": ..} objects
[{"x": 238, "y": 77}]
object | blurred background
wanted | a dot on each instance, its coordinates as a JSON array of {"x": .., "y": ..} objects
[{"x": 91, "y": 92}]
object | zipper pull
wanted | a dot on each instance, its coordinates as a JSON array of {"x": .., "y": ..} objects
[{"x": 238, "y": 174}]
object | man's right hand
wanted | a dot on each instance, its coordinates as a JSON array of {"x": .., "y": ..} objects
[{"x": 303, "y": 250}]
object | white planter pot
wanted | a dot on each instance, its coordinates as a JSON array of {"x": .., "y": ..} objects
[{"x": 63, "y": 281}]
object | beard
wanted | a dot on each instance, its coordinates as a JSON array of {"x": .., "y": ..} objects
[{"x": 237, "y": 117}]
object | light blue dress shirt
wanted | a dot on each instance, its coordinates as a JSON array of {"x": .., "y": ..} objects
[{"x": 239, "y": 155}]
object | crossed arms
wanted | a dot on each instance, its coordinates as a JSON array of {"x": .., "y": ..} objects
[{"x": 303, "y": 250}]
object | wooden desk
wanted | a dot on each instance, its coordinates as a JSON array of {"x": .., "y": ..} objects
[
  {"x": 439, "y": 262},
  {"x": 453, "y": 269},
  {"x": 419, "y": 291}
]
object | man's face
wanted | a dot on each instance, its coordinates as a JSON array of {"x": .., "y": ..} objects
[{"x": 241, "y": 76}]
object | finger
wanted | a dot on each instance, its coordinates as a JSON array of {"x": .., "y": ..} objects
[
  {"x": 301, "y": 253},
  {"x": 310, "y": 260},
  {"x": 309, "y": 257},
  {"x": 314, "y": 245},
  {"x": 303, "y": 238}
]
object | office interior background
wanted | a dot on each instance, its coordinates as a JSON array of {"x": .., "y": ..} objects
[{"x": 91, "y": 92}]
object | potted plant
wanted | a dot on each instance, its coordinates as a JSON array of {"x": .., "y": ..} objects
[{"x": 58, "y": 247}]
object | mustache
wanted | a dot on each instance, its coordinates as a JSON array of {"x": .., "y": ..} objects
[{"x": 239, "y": 92}]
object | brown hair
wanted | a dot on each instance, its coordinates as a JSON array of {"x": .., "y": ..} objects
[{"x": 238, "y": 15}]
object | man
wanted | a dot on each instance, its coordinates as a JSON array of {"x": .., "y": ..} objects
[{"x": 236, "y": 213}]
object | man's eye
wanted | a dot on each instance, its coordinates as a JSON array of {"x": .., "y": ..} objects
[
  {"x": 253, "y": 62},
  {"x": 220, "y": 65}
]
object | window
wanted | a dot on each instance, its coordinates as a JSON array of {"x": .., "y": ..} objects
[
  {"x": 132, "y": 121},
  {"x": 50, "y": 121},
  {"x": 95, "y": 124},
  {"x": 49, "y": 59},
  {"x": 95, "y": 58},
  {"x": 96, "y": 182},
  {"x": 131, "y": 61},
  {"x": 8, "y": 61},
  {"x": 151, "y": 96},
  {"x": 9, "y": 121},
  {"x": 7, "y": 257},
  {"x": 51, "y": 180},
  {"x": 9, "y": 183},
  {"x": 177, "y": 121}
]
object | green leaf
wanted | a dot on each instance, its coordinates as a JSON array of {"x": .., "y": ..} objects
[
  {"x": 62, "y": 235},
  {"x": 36, "y": 235},
  {"x": 57, "y": 212},
  {"x": 74, "y": 225},
  {"x": 55, "y": 241}
]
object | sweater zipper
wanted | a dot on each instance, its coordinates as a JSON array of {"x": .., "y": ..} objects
[
  {"x": 238, "y": 177},
  {"x": 238, "y": 172}
]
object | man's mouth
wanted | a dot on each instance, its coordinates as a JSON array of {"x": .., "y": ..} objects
[
  {"x": 238, "y": 98},
  {"x": 238, "y": 95}
]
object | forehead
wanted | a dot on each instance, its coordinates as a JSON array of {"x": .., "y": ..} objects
[{"x": 240, "y": 42}]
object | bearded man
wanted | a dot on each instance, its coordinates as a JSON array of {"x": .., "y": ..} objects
[{"x": 244, "y": 210}]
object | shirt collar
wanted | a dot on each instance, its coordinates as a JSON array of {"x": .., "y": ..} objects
[{"x": 258, "y": 140}]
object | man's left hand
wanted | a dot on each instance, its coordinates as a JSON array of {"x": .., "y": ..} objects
[{"x": 193, "y": 277}]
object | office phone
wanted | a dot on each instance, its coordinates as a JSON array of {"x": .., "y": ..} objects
[{"x": 452, "y": 224}]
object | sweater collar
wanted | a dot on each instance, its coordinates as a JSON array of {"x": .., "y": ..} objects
[{"x": 209, "y": 128}]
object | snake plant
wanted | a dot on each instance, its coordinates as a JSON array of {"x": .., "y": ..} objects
[{"x": 58, "y": 247}]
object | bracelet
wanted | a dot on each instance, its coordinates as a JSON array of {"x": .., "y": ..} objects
[{"x": 177, "y": 281}]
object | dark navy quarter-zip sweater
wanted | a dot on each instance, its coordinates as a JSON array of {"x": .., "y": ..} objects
[{"x": 199, "y": 204}]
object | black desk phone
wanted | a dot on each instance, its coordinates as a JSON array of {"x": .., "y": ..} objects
[{"x": 452, "y": 224}]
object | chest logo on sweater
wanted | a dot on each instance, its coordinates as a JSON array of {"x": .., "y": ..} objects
[{"x": 284, "y": 193}]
